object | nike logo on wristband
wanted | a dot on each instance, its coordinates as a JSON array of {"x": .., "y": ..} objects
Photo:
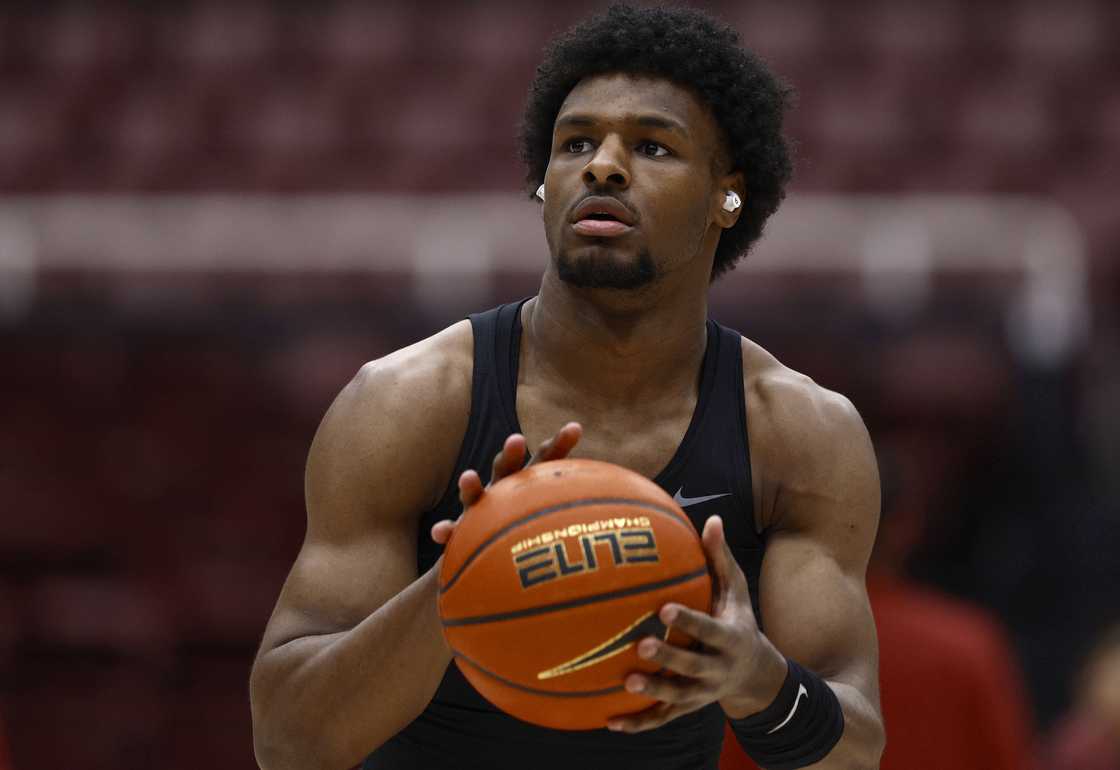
[{"x": 800, "y": 691}]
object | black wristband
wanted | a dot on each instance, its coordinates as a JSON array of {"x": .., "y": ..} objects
[{"x": 799, "y": 728}]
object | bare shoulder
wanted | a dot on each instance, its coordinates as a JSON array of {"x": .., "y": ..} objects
[
  {"x": 394, "y": 431},
  {"x": 809, "y": 446},
  {"x": 419, "y": 378}
]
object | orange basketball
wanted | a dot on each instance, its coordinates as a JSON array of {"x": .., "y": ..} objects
[{"x": 549, "y": 582}]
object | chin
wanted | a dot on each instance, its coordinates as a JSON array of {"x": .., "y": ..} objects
[{"x": 602, "y": 268}]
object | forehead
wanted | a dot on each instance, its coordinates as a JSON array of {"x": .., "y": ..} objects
[{"x": 620, "y": 97}]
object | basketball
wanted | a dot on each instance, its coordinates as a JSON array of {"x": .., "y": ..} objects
[{"x": 549, "y": 582}]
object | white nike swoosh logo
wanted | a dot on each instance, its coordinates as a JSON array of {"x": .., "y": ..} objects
[
  {"x": 800, "y": 691},
  {"x": 684, "y": 502}
]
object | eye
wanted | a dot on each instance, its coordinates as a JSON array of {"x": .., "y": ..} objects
[
  {"x": 652, "y": 149},
  {"x": 577, "y": 145}
]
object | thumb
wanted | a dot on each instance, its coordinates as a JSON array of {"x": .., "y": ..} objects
[
  {"x": 442, "y": 530},
  {"x": 728, "y": 575}
]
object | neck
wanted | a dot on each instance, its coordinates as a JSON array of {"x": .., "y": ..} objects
[{"x": 606, "y": 346}]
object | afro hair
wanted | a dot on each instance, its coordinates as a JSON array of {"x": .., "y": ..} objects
[{"x": 692, "y": 49}]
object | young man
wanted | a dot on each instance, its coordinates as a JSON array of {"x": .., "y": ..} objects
[{"x": 654, "y": 143}]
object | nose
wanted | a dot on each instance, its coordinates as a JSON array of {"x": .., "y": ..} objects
[{"x": 607, "y": 165}]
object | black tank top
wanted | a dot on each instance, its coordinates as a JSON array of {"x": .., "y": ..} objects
[{"x": 709, "y": 474}]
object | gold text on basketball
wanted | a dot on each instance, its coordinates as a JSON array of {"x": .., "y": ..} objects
[{"x": 559, "y": 557}]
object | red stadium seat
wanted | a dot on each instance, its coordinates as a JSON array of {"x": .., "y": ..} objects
[
  {"x": 226, "y": 602},
  {"x": 78, "y": 712},
  {"x": 1012, "y": 127},
  {"x": 153, "y": 133},
  {"x": 788, "y": 36},
  {"x": 913, "y": 34},
  {"x": 210, "y": 723},
  {"x": 858, "y": 133},
  {"x": 33, "y": 127},
  {"x": 475, "y": 35},
  {"x": 356, "y": 36},
  {"x": 1058, "y": 39},
  {"x": 219, "y": 41},
  {"x": 12, "y": 628},
  {"x": 101, "y": 614},
  {"x": 1104, "y": 126},
  {"x": 312, "y": 368},
  {"x": 78, "y": 42},
  {"x": 898, "y": 37},
  {"x": 50, "y": 518},
  {"x": 288, "y": 133}
]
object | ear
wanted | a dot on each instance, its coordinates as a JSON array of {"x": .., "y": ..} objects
[{"x": 732, "y": 182}]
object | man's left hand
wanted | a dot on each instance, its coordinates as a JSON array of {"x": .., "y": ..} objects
[{"x": 735, "y": 663}]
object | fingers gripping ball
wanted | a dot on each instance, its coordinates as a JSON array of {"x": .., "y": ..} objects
[{"x": 552, "y": 578}]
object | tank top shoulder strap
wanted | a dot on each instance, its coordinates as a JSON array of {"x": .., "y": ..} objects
[
  {"x": 492, "y": 395},
  {"x": 505, "y": 348},
  {"x": 492, "y": 398},
  {"x": 718, "y": 459},
  {"x": 495, "y": 343},
  {"x": 729, "y": 404}
]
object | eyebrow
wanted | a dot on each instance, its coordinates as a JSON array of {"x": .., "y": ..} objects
[{"x": 647, "y": 121}]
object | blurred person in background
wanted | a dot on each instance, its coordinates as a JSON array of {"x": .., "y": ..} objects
[
  {"x": 1088, "y": 738},
  {"x": 952, "y": 694}
]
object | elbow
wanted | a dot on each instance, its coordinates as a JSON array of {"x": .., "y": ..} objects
[
  {"x": 289, "y": 737},
  {"x": 283, "y": 739},
  {"x": 276, "y": 748},
  {"x": 270, "y": 752},
  {"x": 881, "y": 746},
  {"x": 301, "y": 751},
  {"x": 861, "y": 747},
  {"x": 876, "y": 744},
  {"x": 269, "y": 755}
]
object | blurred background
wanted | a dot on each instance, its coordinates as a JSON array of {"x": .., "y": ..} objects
[{"x": 212, "y": 213}]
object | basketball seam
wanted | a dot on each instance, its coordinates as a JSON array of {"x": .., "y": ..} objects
[
  {"x": 553, "y": 509},
  {"x": 543, "y": 609},
  {"x": 534, "y": 690}
]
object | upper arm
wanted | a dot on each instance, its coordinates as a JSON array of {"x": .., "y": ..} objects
[
  {"x": 822, "y": 525},
  {"x": 383, "y": 453}
]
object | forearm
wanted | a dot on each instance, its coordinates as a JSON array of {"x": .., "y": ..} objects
[
  {"x": 861, "y": 745},
  {"x": 327, "y": 701},
  {"x": 861, "y": 739}
]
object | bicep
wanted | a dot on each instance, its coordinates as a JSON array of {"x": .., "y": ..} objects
[
  {"x": 333, "y": 586},
  {"x": 817, "y": 612},
  {"x": 369, "y": 475},
  {"x": 813, "y": 592}
]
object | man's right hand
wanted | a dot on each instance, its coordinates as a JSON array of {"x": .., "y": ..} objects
[{"x": 509, "y": 460}]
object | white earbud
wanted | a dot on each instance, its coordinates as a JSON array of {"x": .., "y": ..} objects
[
  {"x": 540, "y": 193},
  {"x": 732, "y": 201}
]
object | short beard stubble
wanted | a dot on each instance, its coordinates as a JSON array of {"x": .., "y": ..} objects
[{"x": 606, "y": 273}]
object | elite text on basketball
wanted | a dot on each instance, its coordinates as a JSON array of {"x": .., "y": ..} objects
[{"x": 634, "y": 545}]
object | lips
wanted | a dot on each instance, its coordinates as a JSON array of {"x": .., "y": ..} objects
[{"x": 601, "y": 216}]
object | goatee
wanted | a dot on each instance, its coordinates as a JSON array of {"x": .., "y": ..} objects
[{"x": 589, "y": 272}]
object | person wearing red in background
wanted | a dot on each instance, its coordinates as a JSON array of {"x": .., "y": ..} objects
[
  {"x": 952, "y": 696},
  {"x": 1088, "y": 738}
]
